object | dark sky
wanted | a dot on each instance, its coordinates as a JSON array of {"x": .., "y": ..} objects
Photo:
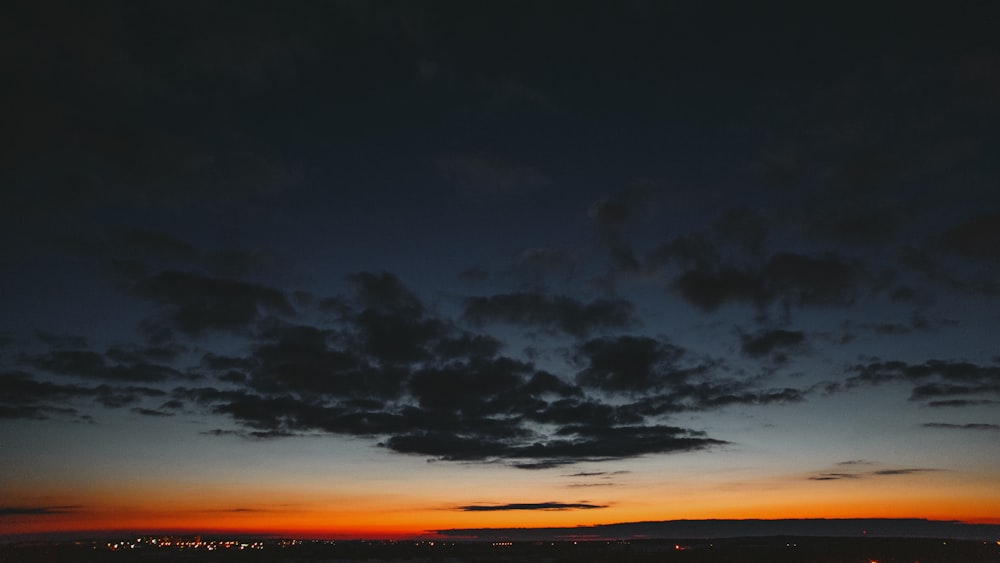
[{"x": 636, "y": 260}]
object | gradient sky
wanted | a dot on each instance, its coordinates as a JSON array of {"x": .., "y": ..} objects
[{"x": 380, "y": 268}]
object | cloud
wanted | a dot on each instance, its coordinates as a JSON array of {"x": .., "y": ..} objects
[
  {"x": 933, "y": 379},
  {"x": 615, "y": 215},
  {"x": 37, "y": 510},
  {"x": 834, "y": 476},
  {"x": 976, "y": 239},
  {"x": 961, "y": 403},
  {"x": 151, "y": 412},
  {"x": 978, "y": 277},
  {"x": 195, "y": 303},
  {"x": 529, "y": 506},
  {"x": 966, "y": 426},
  {"x": 769, "y": 342},
  {"x": 21, "y": 396},
  {"x": 711, "y": 289},
  {"x": 389, "y": 369},
  {"x": 901, "y": 471},
  {"x": 383, "y": 291},
  {"x": 88, "y": 364},
  {"x": 790, "y": 278},
  {"x": 867, "y": 474},
  {"x": 634, "y": 364},
  {"x": 545, "y": 311},
  {"x": 855, "y": 462}
]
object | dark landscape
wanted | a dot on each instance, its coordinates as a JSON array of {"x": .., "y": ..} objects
[{"x": 774, "y": 549}]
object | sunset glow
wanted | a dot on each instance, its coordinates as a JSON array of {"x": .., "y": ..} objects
[{"x": 432, "y": 269}]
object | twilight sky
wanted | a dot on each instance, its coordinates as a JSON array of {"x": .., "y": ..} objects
[{"x": 381, "y": 268}]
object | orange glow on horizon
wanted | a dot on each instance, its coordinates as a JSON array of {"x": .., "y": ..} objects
[
  {"x": 314, "y": 513},
  {"x": 380, "y": 525}
]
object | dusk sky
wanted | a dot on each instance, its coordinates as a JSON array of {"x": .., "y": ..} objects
[{"x": 377, "y": 269}]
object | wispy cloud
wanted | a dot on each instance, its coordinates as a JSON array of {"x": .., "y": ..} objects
[
  {"x": 967, "y": 426},
  {"x": 596, "y": 473},
  {"x": 37, "y": 510},
  {"x": 529, "y": 506},
  {"x": 836, "y": 476}
]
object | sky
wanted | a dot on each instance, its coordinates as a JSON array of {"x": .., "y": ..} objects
[{"x": 379, "y": 269}]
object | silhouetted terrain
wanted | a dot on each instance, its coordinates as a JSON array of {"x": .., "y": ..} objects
[{"x": 732, "y": 550}]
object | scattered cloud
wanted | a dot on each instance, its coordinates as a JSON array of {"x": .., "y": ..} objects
[
  {"x": 933, "y": 380},
  {"x": 966, "y": 426},
  {"x": 772, "y": 343},
  {"x": 834, "y": 476},
  {"x": 37, "y": 510},
  {"x": 901, "y": 471},
  {"x": 529, "y": 506},
  {"x": 837, "y": 476},
  {"x": 596, "y": 473},
  {"x": 976, "y": 239},
  {"x": 788, "y": 278},
  {"x": 196, "y": 303}
]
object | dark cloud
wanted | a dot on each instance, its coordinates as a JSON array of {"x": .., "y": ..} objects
[
  {"x": 769, "y": 342},
  {"x": 630, "y": 363},
  {"x": 151, "y": 412},
  {"x": 88, "y": 364},
  {"x": 909, "y": 471},
  {"x": 250, "y": 435},
  {"x": 711, "y": 289},
  {"x": 789, "y": 278},
  {"x": 37, "y": 510},
  {"x": 977, "y": 238},
  {"x": 545, "y": 311},
  {"x": 529, "y": 506},
  {"x": 25, "y": 397},
  {"x": 615, "y": 215},
  {"x": 961, "y": 403},
  {"x": 966, "y": 426},
  {"x": 390, "y": 369},
  {"x": 218, "y": 362},
  {"x": 979, "y": 277},
  {"x": 479, "y": 408},
  {"x": 195, "y": 303},
  {"x": 834, "y": 476},
  {"x": 867, "y": 474},
  {"x": 855, "y": 462},
  {"x": 385, "y": 292},
  {"x": 933, "y": 379},
  {"x": 689, "y": 251},
  {"x": 570, "y": 444}
]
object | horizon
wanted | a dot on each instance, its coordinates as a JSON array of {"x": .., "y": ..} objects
[
  {"x": 384, "y": 268},
  {"x": 663, "y": 530}
]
